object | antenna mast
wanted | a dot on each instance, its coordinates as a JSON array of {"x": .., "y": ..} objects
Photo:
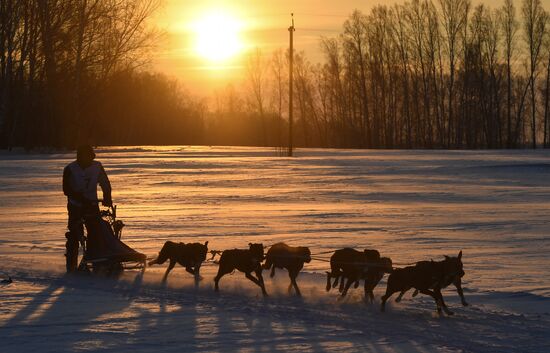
[{"x": 290, "y": 85}]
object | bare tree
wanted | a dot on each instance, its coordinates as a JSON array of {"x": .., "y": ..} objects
[
  {"x": 278, "y": 64},
  {"x": 534, "y": 22},
  {"x": 509, "y": 25},
  {"x": 401, "y": 37},
  {"x": 454, "y": 16},
  {"x": 355, "y": 42},
  {"x": 337, "y": 103},
  {"x": 256, "y": 73},
  {"x": 546, "y": 90}
]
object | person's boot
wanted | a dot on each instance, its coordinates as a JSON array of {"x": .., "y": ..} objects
[{"x": 71, "y": 254}]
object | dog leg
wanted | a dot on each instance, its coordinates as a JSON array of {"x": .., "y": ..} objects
[
  {"x": 336, "y": 276},
  {"x": 296, "y": 288},
  {"x": 272, "y": 272},
  {"x": 196, "y": 273},
  {"x": 170, "y": 267},
  {"x": 385, "y": 297},
  {"x": 367, "y": 299},
  {"x": 435, "y": 297},
  {"x": 392, "y": 286},
  {"x": 261, "y": 280},
  {"x": 197, "y": 269},
  {"x": 458, "y": 285},
  {"x": 400, "y": 296},
  {"x": 348, "y": 284},
  {"x": 289, "y": 288},
  {"x": 258, "y": 281},
  {"x": 220, "y": 274},
  {"x": 293, "y": 283},
  {"x": 342, "y": 283},
  {"x": 328, "y": 281},
  {"x": 369, "y": 294},
  {"x": 438, "y": 294}
]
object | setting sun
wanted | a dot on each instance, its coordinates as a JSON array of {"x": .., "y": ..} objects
[{"x": 217, "y": 36}]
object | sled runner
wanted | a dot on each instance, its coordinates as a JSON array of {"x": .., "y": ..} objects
[{"x": 104, "y": 252}]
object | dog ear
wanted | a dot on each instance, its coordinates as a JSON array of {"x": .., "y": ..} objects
[
  {"x": 249, "y": 244},
  {"x": 446, "y": 257},
  {"x": 460, "y": 255},
  {"x": 206, "y": 243}
]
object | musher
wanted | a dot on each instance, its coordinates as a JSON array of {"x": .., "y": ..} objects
[{"x": 80, "y": 180}]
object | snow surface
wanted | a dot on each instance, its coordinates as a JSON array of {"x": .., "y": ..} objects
[{"x": 410, "y": 205}]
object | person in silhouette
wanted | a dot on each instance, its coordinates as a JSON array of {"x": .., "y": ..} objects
[{"x": 80, "y": 180}]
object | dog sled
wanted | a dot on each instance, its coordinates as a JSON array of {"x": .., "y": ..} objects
[{"x": 103, "y": 250}]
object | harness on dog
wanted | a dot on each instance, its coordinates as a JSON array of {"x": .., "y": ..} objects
[{"x": 214, "y": 253}]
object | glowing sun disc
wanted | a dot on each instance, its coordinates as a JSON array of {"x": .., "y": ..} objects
[{"x": 217, "y": 37}]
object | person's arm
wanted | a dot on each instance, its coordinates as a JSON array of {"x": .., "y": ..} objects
[
  {"x": 105, "y": 186},
  {"x": 67, "y": 187}
]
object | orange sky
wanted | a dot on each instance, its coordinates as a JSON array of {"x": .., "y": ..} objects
[{"x": 265, "y": 26}]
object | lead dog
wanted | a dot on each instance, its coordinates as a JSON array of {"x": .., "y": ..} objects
[
  {"x": 428, "y": 277},
  {"x": 190, "y": 256},
  {"x": 456, "y": 281}
]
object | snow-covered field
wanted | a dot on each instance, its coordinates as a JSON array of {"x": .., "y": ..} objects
[{"x": 410, "y": 205}]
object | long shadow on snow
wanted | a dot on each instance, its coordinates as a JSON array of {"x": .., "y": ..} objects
[
  {"x": 71, "y": 316},
  {"x": 234, "y": 319}
]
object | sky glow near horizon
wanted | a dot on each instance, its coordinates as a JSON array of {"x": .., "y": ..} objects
[{"x": 206, "y": 58}]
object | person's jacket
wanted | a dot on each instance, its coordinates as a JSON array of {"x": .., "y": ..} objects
[{"x": 80, "y": 185}]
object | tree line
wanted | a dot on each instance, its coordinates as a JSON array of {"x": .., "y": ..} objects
[
  {"x": 72, "y": 71},
  {"x": 421, "y": 74}
]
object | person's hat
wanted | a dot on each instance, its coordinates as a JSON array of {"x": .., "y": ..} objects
[{"x": 85, "y": 150}]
